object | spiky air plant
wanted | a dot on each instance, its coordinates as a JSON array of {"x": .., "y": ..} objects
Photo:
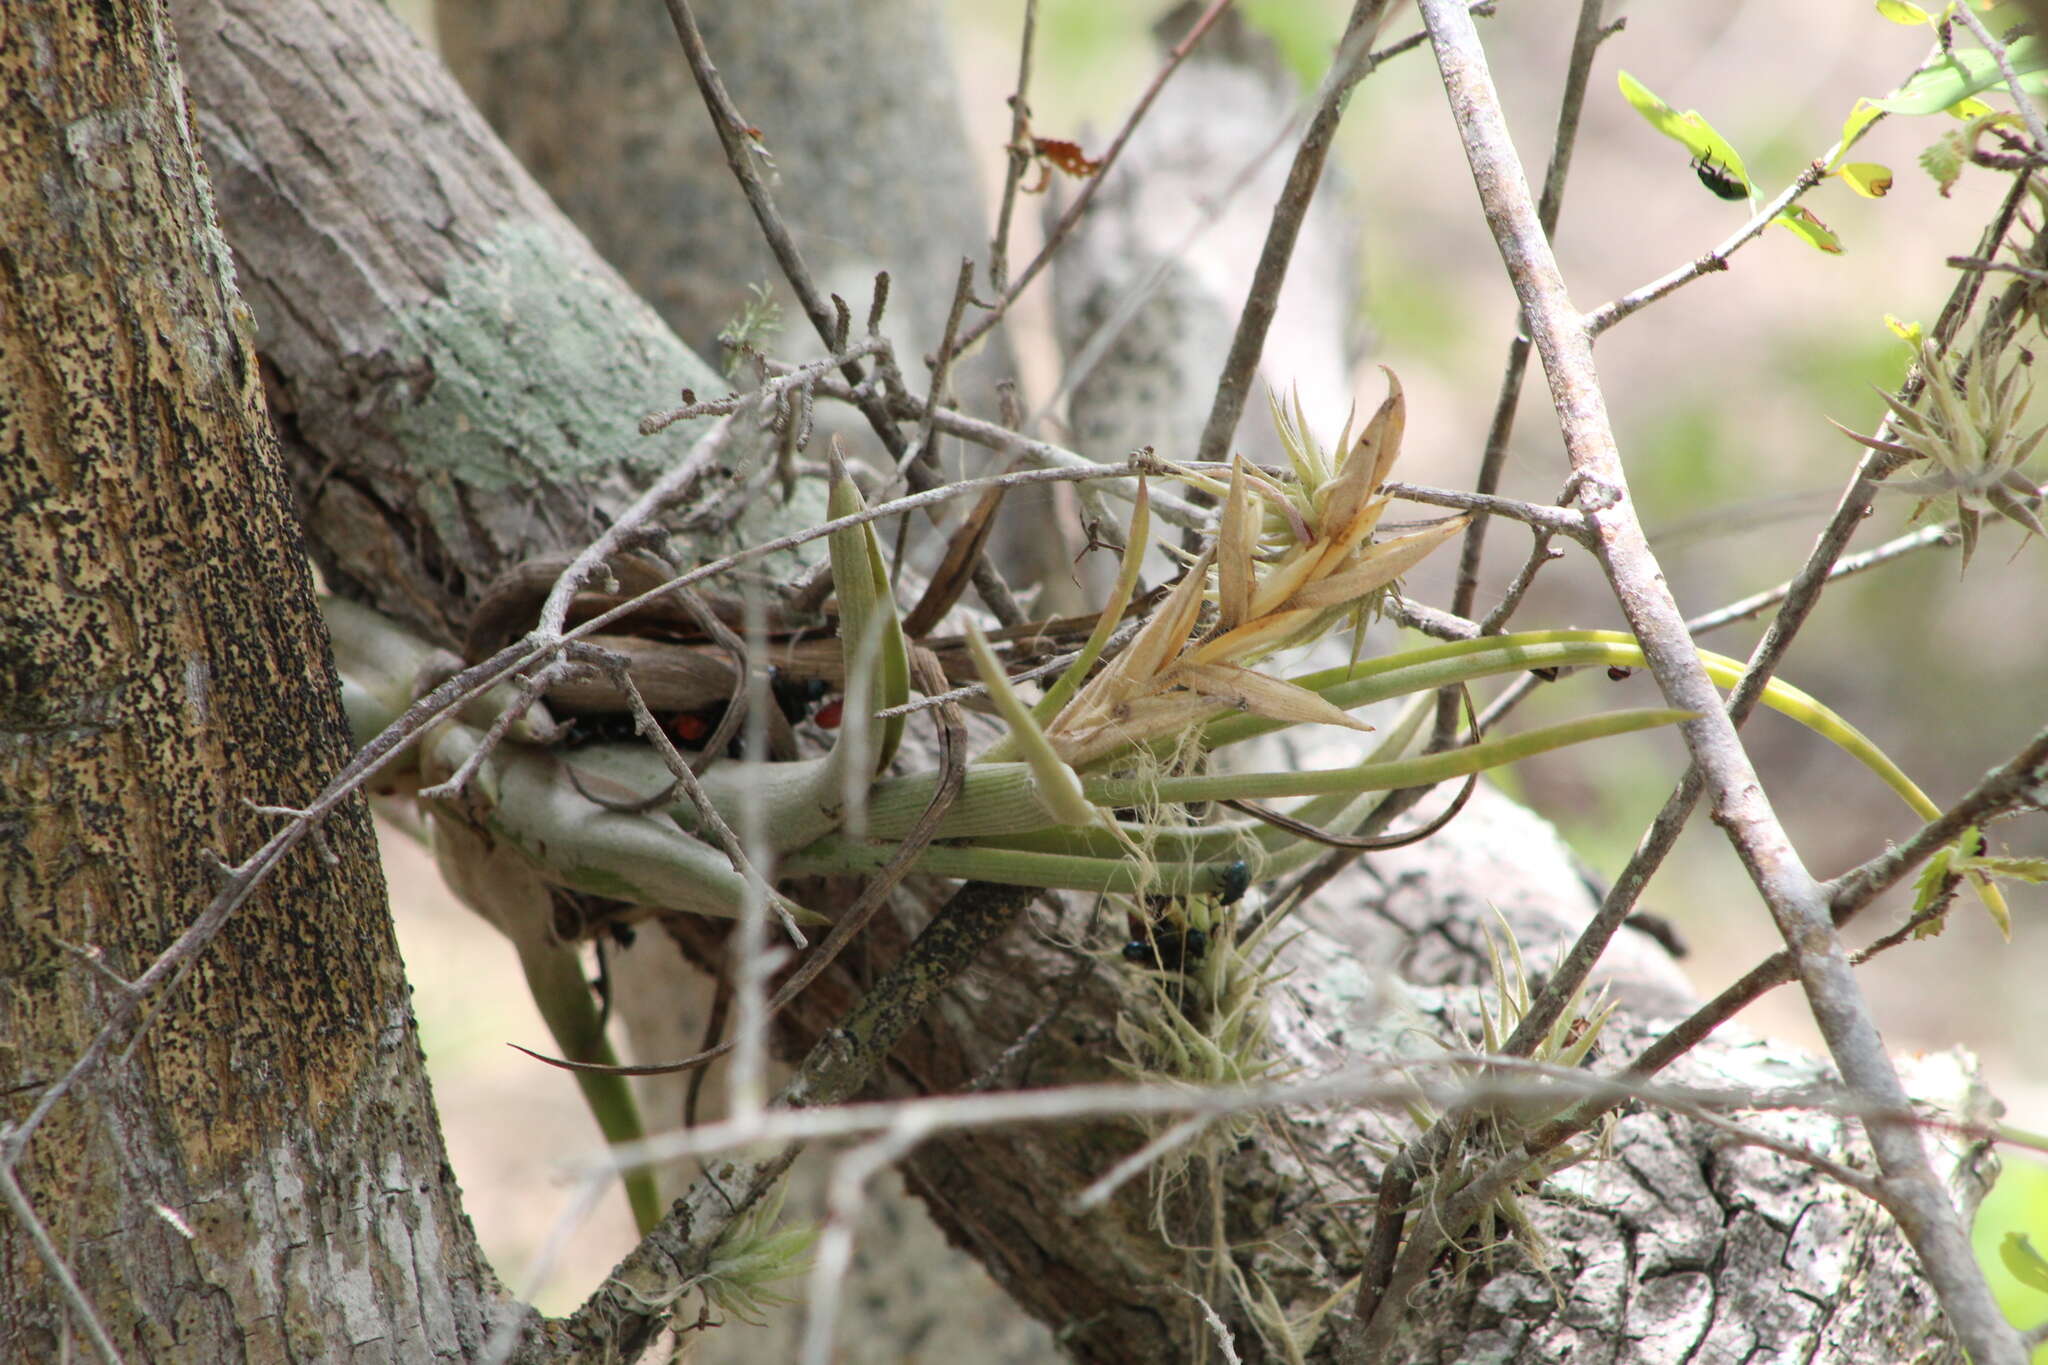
[
  {"x": 1290, "y": 561},
  {"x": 1970, "y": 435}
]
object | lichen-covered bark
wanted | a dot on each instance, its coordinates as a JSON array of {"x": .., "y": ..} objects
[
  {"x": 262, "y": 1179},
  {"x": 457, "y": 375},
  {"x": 856, "y": 104}
]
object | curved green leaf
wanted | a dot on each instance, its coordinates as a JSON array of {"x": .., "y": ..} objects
[
  {"x": 1964, "y": 71},
  {"x": 867, "y": 619},
  {"x": 1689, "y": 129},
  {"x": 1810, "y": 229}
]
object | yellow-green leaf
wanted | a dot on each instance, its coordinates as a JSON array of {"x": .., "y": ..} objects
[
  {"x": 1688, "y": 129},
  {"x": 1809, "y": 229},
  {"x": 2025, "y": 1263},
  {"x": 1136, "y": 539},
  {"x": 1057, "y": 786},
  {"x": 867, "y": 611},
  {"x": 1867, "y": 178},
  {"x": 1900, "y": 12}
]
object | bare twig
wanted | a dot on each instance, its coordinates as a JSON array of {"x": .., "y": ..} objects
[
  {"x": 1563, "y": 339},
  {"x": 2030, "y": 113},
  {"x": 1586, "y": 40},
  {"x": 845, "y": 1192},
  {"x": 1927, "y": 537},
  {"x": 1551, "y": 519},
  {"x": 1262, "y": 299},
  {"x": 1005, "y": 440},
  {"x": 24, "y": 1213},
  {"x": 778, "y": 387},
  {"x": 735, "y": 135},
  {"x": 1020, "y": 152},
  {"x": 1716, "y": 259},
  {"x": 942, "y": 368},
  {"x": 1065, "y": 226}
]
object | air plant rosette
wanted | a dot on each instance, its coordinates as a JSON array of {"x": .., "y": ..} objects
[{"x": 1094, "y": 785}]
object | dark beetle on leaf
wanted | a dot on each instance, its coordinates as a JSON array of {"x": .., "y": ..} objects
[{"x": 1719, "y": 178}]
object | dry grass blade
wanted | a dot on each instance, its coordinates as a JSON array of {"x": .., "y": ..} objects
[{"x": 956, "y": 570}]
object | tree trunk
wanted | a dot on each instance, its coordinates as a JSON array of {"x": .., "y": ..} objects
[
  {"x": 262, "y": 1177},
  {"x": 856, "y": 103}
]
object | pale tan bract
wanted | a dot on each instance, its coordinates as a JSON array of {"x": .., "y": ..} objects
[{"x": 1280, "y": 580}]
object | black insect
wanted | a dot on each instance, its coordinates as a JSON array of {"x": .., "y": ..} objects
[
  {"x": 796, "y": 697},
  {"x": 1236, "y": 880},
  {"x": 1718, "y": 178},
  {"x": 1167, "y": 948}
]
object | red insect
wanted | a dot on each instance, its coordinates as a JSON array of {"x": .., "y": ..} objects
[
  {"x": 691, "y": 728},
  {"x": 1054, "y": 153}
]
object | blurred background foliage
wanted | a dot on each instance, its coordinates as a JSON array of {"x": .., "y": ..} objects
[{"x": 1721, "y": 396}]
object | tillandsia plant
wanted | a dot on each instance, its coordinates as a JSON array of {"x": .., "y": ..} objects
[
  {"x": 1091, "y": 788},
  {"x": 1970, "y": 434}
]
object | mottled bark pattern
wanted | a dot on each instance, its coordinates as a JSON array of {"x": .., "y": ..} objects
[
  {"x": 263, "y": 1180},
  {"x": 856, "y": 104},
  {"x": 458, "y": 376}
]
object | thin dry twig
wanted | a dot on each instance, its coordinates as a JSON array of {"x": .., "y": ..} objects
[
  {"x": 1290, "y": 210},
  {"x": 1586, "y": 40},
  {"x": 1563, "y": 339},
  {"x": 1020, "y": 152},
  {"x": 1713, "y": 262},
  {"x": 24, "y": 1212},
  {"x": 1065, "y": 226},
  {"x": 736, "y": 136}
]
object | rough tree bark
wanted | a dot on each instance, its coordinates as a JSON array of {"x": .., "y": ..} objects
[
  {"x": 263, "y": 1179},
  {"x": 406, "y": 282}
]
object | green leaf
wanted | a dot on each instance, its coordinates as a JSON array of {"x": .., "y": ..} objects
[
  {"x": 2030, "y": 870},
  {"x": 1927, "y": 887},
  {"x": 1057, "y": 785},
  {"x": 1908, "y": 332},
  {"x": 1867, "y": 178},
  {"x": 1137, "y": 539},
  {"x": 867, "y": 607},
  {"x": 2023, "y": 1261},
  {"x": 1961, "y": 73},
  {"x": 1862, "y": 114},
  {"x": 1900, "y": 12},
  {"x": 1689, "y": 129},
  {"x": 1944, "y": 158},
  {"x": 1809, "y": 229}
]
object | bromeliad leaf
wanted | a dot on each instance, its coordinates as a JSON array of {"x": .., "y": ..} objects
[{"x": 867, "y": 612}]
